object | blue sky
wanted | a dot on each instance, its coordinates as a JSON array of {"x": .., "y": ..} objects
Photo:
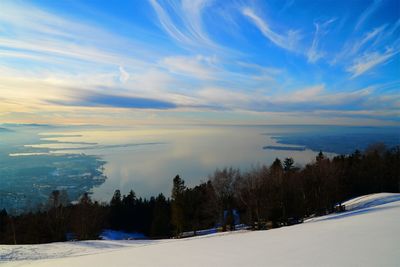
[{"x": 200, "y": 61}]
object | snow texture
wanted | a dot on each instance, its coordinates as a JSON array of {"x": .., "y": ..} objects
[{"x": 366, "y": 235}]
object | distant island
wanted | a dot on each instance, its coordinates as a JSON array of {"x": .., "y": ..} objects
[{"x": 288, "y": 148}]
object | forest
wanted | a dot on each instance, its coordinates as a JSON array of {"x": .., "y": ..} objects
[{"x": 263, "y": 197}]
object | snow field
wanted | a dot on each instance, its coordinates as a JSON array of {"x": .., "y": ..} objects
[{"x": 367, "y": 236}]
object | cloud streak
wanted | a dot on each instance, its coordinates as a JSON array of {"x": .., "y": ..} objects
[
  {"x": 367, "y": 13},
  {"x": 370, "y": 61},
  {"x": 187, "y": 27},
  {"x": 288, "y": 41},
  {"x": 313, "y": 54},
  {"x": 184, "y": 58}
]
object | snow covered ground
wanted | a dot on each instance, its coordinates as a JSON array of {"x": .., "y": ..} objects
[
  {"x": 370, "y": 200},
  {"x": 367, "y": 235}
]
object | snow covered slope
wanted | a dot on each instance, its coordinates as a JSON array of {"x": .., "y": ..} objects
[
  {"x": 368, "y": 236},
  {"x": 370, "y": 200}
]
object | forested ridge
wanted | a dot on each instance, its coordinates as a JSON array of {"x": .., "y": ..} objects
[{"x": 262, "y": 197}]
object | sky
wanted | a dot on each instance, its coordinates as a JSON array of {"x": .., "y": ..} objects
[{"x": 200, "y": 61}]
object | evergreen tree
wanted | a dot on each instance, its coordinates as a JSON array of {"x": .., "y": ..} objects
[
  {"x": 160, "y": 226},
  {"x": 116, "y": 212},
  {"x": 129, "y": 211},
  {"x": 276, "y": 166},
  {"x": 278, "y": 194},
  {"x": 320, "y": 156},
  {"x": 87, "y": 219},
  {"x": 3, "y": 225},
  {"x": 288, "y": 164},
  {"x": 177, "y": 204},
  {"x": 56, "y": 215}
]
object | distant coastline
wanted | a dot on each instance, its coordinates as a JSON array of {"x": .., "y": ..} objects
[{"x": 286, "y": 148}]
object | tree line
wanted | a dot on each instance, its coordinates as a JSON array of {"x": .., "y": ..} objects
[{"x": 263, "y": 197}]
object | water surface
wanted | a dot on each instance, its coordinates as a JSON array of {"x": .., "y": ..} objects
[{"x": 146, "y": 158}]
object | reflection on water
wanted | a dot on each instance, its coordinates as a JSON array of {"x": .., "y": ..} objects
[{"x": 146, "y": 159}]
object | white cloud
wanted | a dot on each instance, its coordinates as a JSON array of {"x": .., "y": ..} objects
[
  {"x": 66, "y": 56},
  {"x": 313, "y": 54},
  {"x": 318, "y": 96},
  {"x": 369, "y": 61},
  {"x": 289, "y": 41},
  {"x": 198, "y": 67},
  {"x": 223, "y": 97},
  {"x": 307, "y": 94},
  {"x": 394, "y": 28},
  {"x": 183, "y": 21},
  {"x": 303, "y": 95},
  {"x": 373, "y": 35},
  {"x": 46, "y": 37},
  {"x": 123, "y": 75},
  {"x": 309, "y": 99},
  {"x": 374, "y": 47},
  {"x": 367, "y": 12},
  {"x": 261, "y": 69}
]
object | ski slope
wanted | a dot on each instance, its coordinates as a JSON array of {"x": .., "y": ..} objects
[{"x": 367, "y": 235}]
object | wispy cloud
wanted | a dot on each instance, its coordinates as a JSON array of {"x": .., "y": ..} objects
[
  {"x": 46, "y": 37},
  {"x": 371, "y": 49},
  {"x": 317, "y": 98},
  {"x": 199, "y": 67},
  {"x": 308, "y": 99},
  {"x": 307, "y": 94},
  {"x": 183, "y": 21},
  {"x": 124, "y": 75},
  {"x": 369, "y": 61},
  {"x": 366, "y": 13},
  {"x": 287, "y": 5},
  {"x": 370, "y": 40},
  {"x": 313, "y": 54},
  {"x": 225, "y": 98},
  {"x": 72, "y": 67},
  {"x": 311, "y": 97},
  {"x": 369, "y": 36},
  {"x": 288, "y": 41}
]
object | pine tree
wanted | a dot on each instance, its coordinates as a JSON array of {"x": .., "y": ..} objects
[
  {"x": 116, "y": 211},
  {"x": 177, "y": 205},
  {"x": 3, "y": 225},
  {"x": 320, "y": 156},
  {"x": 288, "y": 164},
  {"x": 56, "y": 215},
  {"x": 129, "y": 211},
  {"x": 160, "y": 226},
  {"x": 87, "y": 220}
]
